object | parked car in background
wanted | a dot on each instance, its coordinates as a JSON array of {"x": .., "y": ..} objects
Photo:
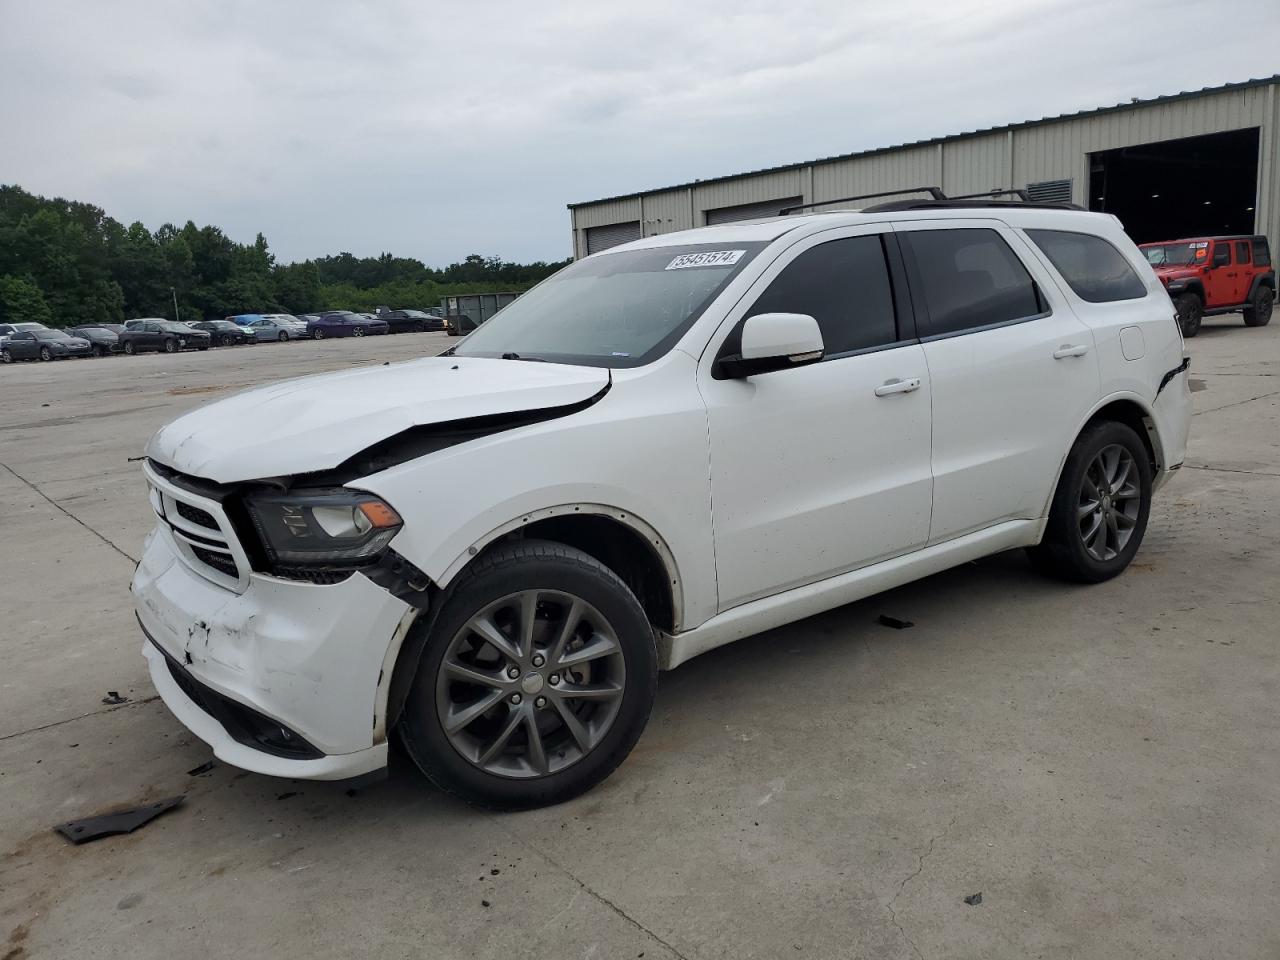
[
  {"x": 224, "y": 332},
  {"x": 6, "y": 329},
  {"x": 116, "y": 328},
  {"x": 1205, "y": 276},
  {"x": 169, "y": 336},
  {"x": 44, "y": 344},
  {"x": 243, "y": 319},
  {"x": 409, "y": 321},
  {"x": 344, "y": 323},
  {"x": 103, "y": 341},
  {"x": 867, "y": 398},
  {"x": 278, "y": 326}
]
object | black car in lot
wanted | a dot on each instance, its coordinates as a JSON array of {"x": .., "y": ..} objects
[
  {"x": 44, "y": 345},
  {"x": 410, "y": 321},
  {"x": 344, "y": 323},
  {"x": 103, "y": 340},
  {"x": 167, "y": 335},
  {"x": 224, "y": 332}
]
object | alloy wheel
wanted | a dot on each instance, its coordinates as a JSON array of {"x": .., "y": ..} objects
[
  {"x": 358, "y": 332},
  {"x": 530, "y": 684},
  {"x": 45, "y": 354},
  {"x": 1109, "y": 503}
]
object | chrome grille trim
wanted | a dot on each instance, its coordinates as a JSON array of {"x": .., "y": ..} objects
[{"x": 189, "y": 537}]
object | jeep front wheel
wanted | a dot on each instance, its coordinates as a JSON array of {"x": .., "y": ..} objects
[
  {"x": 535, "y": 681},
  {"x": 1258, "y": 313},
  {"x": 1190, "y": 311}
]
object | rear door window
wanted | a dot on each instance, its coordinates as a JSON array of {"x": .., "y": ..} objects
[
  {"x": 1242, "y": 251},
  {"x": 1092, "y": 267},
  {"x": 844, "y": 285},
  {"x": 969, "y": 279}
]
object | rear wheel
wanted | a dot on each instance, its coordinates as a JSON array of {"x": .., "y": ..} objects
[
  {"x": 535, "y": 681},
  {"x": 1190, "y": 310},
  {"x": 1258, "y": 313},
  {"x": 6, "y": 356},
  {"x": 1099, "y": 511}
]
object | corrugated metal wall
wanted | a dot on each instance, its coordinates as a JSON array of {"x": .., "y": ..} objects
[{"x": 1013, "y": 157}]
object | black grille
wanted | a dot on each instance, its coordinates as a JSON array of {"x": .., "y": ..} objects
[
  {"x": 312, "y": 576},
  {"x": 196, "y": 515},
  {"x": 219, "y": 561}
]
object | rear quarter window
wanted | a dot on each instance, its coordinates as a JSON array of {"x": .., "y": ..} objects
[
  {"x": 1261, "y": 253},
  {"x": 1094, "y": 269}
]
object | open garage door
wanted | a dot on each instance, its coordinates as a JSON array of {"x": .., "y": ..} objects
[{"x": 1197, "y": 186}]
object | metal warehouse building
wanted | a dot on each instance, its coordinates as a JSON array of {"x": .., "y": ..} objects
[{"x": 1203, "y": 162}]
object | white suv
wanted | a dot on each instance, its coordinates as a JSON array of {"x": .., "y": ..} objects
[{"x": 661, "y": 449}]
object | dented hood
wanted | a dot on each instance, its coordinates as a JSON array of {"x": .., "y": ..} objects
[{"x": 315, "y": 423}]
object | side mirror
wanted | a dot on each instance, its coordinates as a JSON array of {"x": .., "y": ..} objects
[{"x": 772, "y": 341}]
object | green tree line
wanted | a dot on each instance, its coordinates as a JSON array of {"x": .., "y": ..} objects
[{"x": 64, "y": 262}]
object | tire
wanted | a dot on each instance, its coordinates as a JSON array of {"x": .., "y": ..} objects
[
  {"x": 419, "y": 327},
  {"x": 571, "y": 761},
  {"x": 128, "y": 347},
  {"x": 45, "y": 354},
  {"x": 6, "y": 356},
  {"x": 101, "y": 351},
  {"x": 170, "y": 346},
  {"x": 283, "y": 337},
  {"x": 1190, "y": 310},
  {"x": 1067, "y": 550},
  {"x": 203, "y": 348},
  {"x": 358, "y": 332},
  {"x": 1258, "y": 313}
]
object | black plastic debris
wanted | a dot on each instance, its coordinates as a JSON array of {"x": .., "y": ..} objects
[
  {"x": 287, "y": 794},
  {"x": 974, "y": 899},
  {"x": 200, "y": 770},
  {"x": 113, "y": 697},
  {"x": 887, "y": 621},
  {"x": 111, "y": 824}
]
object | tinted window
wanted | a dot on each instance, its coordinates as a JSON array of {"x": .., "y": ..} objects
[
  {"x": 971, "y": 278},
  {"x": 1221, "y": 254},
  {"x": 1242, "y": 251},
  {"x": 844, "y": 285},
  {"x": 1261, "y": 254},
  {"x": 1092, "y": 267}
]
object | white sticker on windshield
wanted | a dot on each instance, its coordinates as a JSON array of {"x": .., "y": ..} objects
[{"x": 712, "y": 258}]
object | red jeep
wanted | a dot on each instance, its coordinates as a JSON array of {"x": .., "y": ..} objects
[{"x": 1211, "y": 275}]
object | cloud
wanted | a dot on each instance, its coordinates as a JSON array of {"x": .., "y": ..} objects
[{"x": 438, "y": 130}]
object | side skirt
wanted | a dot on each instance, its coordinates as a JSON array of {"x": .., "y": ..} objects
[{"x": 814, "y": 598}]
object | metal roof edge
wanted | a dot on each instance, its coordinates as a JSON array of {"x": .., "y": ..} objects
[{"x": 985, "y": 131}]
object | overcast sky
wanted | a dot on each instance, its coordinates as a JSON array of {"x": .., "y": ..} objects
[{"x": 435, "y": 130}]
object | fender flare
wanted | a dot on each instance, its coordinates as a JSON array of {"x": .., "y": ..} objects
[
  {"x": 1267, "y": 279},
  {"x": 1126, "y": 395}
]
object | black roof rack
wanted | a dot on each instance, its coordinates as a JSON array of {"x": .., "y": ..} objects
[
  {"x": 935, "y": 192},
  {"x": 938, "y": 199}
]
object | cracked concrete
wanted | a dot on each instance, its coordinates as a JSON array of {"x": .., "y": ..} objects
[{"x": 1105, "y": 759}]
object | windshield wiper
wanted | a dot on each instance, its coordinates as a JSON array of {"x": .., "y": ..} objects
[{"x": 516, "y": 356}]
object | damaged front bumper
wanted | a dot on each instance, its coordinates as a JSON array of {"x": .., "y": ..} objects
[{"x": 287, "y": 679}]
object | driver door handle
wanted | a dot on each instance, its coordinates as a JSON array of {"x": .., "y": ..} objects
[
  {"x": 896, "y": 385},
  {"x": 1069, "y": 350}
]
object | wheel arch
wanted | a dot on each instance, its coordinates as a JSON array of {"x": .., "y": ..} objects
[
  {"x": 1127, "y": 408},
  {"x": 623, "y": 542}
]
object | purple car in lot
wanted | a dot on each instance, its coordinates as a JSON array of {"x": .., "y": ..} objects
[{"x": 344, "y": 323}]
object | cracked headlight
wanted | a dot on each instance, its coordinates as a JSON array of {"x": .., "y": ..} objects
[{"x": 323, "y": 527}]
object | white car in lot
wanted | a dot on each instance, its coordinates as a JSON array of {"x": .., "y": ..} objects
[{"x": 661, "y": 449}]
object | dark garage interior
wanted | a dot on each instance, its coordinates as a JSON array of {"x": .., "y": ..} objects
[{"x": 1179, "y": 188}]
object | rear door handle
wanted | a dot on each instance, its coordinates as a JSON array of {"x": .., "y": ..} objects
[
  {"x": 1068, "y": 350},
  {"x": 896, "y": 385}
]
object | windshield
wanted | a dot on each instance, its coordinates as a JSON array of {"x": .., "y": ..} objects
[
  {"x": 174, "y": 327},
  {"x": 414, "y": 313},
  {"x": 51, "y": 335},
  {"x": 94, "y": 330},
  {"x": 1176, "y": 254},
  {"x": 621, "y": 309}
]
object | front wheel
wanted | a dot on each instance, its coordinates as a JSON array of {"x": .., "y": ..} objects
[
  {"x": 535, "y": 681},
  {"x": 1190, "y": 310},
  {"x": 1100, "y": 509},
  {"x": 358, "y": 332},
  {"x": 283, "y": 336},
  {"x": 419, "y": 327},
  {"x": 170, "y": 346},
  {"x": 1258, "y": 313},
  {"x": 128, "y": 347},
  {"x": 318, "y": 334},
  {"x": 45, "y": 354}
]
